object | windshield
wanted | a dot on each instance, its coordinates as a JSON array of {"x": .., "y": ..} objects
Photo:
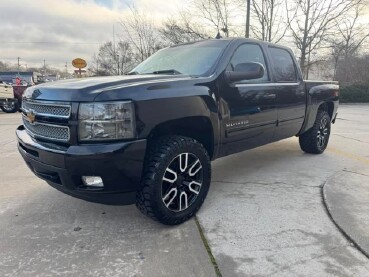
[{"x": 195, "y": 59}]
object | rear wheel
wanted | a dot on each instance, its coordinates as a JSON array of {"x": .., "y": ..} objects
[
  {"x": 9, "y": 107},
  {"x": 315, "y": 140},
  {"x": 176, "y": 180}
]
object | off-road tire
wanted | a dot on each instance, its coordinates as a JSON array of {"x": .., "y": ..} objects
[
  {"x": 161, "y": 153},
  {"x": 10, "y": 109},
  {"x": 309, "y": 141}
]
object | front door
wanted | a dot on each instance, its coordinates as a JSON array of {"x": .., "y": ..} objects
[{"x": 251, "y": 104}]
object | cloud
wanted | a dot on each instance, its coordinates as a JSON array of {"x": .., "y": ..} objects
[{"x": 59, "y": 31}]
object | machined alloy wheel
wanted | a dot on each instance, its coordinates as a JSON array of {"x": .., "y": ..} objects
[
  {"x": 182, "y": 182},
  {"x": 322, "y": 133},
  {"x": 175, "y": 181},
  {"x": 315, "y": 140}
]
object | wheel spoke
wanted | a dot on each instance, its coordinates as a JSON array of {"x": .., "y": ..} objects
[
  {"x": 183, "y": 196},
  {"x": 193, "y": 189},
  {"x": 181, "y": 182},
  {"x": 195, "y": 168},
  {"x": 183, "y": 162},
  {"x": 173, "y": 191},
  {"x": 173, "y": 173}
]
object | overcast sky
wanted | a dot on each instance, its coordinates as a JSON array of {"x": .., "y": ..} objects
[{"x": 61, "y": 30}]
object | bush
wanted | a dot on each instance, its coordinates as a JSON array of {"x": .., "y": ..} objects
[{"x": 354, "y": 94}]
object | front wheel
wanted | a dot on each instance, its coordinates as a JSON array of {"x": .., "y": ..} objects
[
  {"x": 176, "y": 180},
  {"x": 315, "y": 140}
]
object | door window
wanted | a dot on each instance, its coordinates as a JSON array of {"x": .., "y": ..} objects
[
  {"x": 284, "y": 67},
  {"x": 247, "y": 53}
]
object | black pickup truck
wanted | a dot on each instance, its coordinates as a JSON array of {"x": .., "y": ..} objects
[{"x": 148, "y": 138}]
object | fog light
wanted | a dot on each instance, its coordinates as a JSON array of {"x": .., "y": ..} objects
[{"x": 93, "y": 181}]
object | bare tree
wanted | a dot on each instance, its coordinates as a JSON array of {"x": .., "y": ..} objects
[
  {"x": 314, "y": 21},
  {"x": 353, "y": 71},
  {"x": 219, "y": 14},
  {"x": 182, "y": 29},
  {"x": 350, "y": 37},
  {"x": 112, "y": 60},
  {"x": 141, "y": 34},
  {"x": 4, "y": 66},
  {"x": 270, "y": 24}
]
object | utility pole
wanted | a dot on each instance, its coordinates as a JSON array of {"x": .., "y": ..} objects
[
  {"x": 118, "y": 63},
  {"x": 18, "y": 64},
  {"x": 247, "y": 31},
  {"x": 308, "y": 63},
  {"x": 97, "y": 67},
  {"x": 66, "y": 70},
  {"x": 113, "y": 39},
  {"x": 44, "y": 68}
]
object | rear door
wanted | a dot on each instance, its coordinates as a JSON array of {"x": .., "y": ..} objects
[{"x": 290, "y": 90}]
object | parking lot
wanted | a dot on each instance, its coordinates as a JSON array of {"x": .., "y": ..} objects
[{"x": 265, "y": 215}]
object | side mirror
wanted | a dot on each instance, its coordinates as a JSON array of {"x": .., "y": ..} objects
[{"x": 245, "y": 71}]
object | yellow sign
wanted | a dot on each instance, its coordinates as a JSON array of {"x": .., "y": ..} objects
[{"x": 79, "y": 63}]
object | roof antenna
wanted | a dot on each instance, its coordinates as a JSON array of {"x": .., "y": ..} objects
[{"x": 218, "y": 36}]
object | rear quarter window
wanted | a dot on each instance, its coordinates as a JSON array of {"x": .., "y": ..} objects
[{"x": 283, "y": 65}]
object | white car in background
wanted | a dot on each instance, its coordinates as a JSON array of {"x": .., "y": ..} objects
[{"x": 7, "y": 101}]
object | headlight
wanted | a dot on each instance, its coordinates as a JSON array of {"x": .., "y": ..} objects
[{"x": 106, "y": 121}]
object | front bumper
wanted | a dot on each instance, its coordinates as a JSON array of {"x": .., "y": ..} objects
[{"x": 118, "y": 164}]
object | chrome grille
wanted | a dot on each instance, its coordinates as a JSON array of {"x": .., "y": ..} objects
[
  {"x": 33, "y": 110},
  {"x": 61, "y": 110},
  {"x": 47, "y": 131}
]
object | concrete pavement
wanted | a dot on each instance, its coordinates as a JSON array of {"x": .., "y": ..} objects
[
  {"x": 264, "y": 216},
  {"x": 44, "y": 232},
  {"x": 346, "y": 196}
]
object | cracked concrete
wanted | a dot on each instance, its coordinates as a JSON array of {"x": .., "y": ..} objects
[{"x": 264, "y": 215}]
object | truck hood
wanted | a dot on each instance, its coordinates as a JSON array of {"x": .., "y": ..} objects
[{"x": 88, "y": 89}]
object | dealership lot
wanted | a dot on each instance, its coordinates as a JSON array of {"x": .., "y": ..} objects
[{"x": 264, "y": 216}]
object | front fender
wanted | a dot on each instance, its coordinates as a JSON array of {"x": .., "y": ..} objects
[{"x": 152, "y": 113}]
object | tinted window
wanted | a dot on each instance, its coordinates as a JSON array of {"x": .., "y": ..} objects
[
  {"x": 284, "y": 67},
  {"x": 249, "y": 53}
]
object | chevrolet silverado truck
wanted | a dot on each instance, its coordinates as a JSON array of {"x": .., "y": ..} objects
[{"x": 149, "y": 137}]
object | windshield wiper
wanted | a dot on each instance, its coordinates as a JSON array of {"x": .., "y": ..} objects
[{"x": 167, "y": 71}]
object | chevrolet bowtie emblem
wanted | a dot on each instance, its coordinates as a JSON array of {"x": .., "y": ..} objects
[{"x": 31, "y": 117}]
